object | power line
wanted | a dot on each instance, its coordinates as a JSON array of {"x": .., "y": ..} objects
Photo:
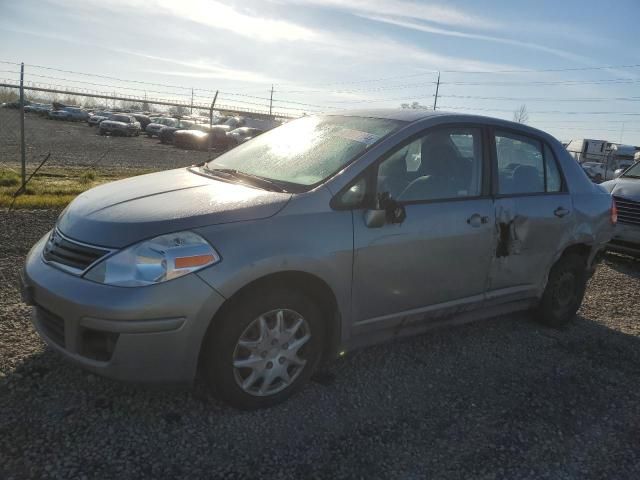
[
  {"x": 551, "y": 82},
  {"x": 476, "y": 72},
  {"x": 547, "y": 99},
  {"x": 559, "y": 112}
]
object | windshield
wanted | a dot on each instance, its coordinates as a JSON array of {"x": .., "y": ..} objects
[
  {"x": 633, "y": 172},
  {"x": 120, "y": 118},
  {"x": 308, "y": 150}
]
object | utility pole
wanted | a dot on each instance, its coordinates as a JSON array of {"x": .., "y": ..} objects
[
  {"x": 191, "y": 100},
  {"x": 621, "y": 132},
  {"x": 23, "y": 153},
  {"x": 271, "y": 101},
  {"x": 435, "y": 100}
]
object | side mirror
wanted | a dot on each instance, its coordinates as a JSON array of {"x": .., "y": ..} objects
[
  {"x": 618, "y": 172},
  {"x": 388, "y": 211}
]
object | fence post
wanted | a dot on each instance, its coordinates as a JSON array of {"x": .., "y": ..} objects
[
  {"x": 23, "y": 153},
  {"x": 435, "y": 100},
  {"x": 271, "y": 101},
  {"x": 213, "y": 104}
]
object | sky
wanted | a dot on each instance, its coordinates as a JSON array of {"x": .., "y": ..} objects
[{"x": 574, "y": 64}]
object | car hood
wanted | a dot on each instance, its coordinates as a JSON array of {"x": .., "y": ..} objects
[
  {"x": 624, "y": 187},
  {"x": 121, "y": 213}
]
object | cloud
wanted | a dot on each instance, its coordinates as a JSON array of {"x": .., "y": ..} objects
[
  {"x": 477, "y": 36},
  {"x": 440, "y": 14},
  {"x": 221, "y": 16},
  {"x": 209, "y": 13}
]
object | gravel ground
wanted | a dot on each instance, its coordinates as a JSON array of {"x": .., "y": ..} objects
[
  {"x": 75, "y": 144},
  {"x": 504, "y": 398}
]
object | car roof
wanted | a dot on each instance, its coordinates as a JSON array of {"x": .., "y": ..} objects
[{"x": 411, "y": 115}]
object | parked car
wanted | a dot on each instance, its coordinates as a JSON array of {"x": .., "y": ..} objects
[
  {"x": 626, "y": 192},
  {"x": 73, "y": 114},
  {"x": 194, "y": 139},
  {"x": 98, "y": 117},
  {"x": 594, "y": 170},
  {"x": 11, "y": 105},
  {"x": 242, "y": 134},
  {"x": 203, "y": 137},
  {"x": 158, "y": 123},
  {"x": 120, "y": 124},
  {"x": 166, "y": 134},
  {"x": 40, "y": 108},
  {"x": 144, "y": 120},
  {"x": 320, "y": 236}
]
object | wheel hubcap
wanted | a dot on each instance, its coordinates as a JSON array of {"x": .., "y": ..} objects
[{"x": 270, "y": 353}]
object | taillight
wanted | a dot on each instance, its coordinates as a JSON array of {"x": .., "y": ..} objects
[{"x": 614, "y": 212}]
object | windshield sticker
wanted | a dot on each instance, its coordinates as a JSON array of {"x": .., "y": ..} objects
[{"x": 358, "y": 136}]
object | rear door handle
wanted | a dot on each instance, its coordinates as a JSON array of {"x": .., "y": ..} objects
[
  {"x": 476, "y": 220},
  {"x": 561, "y": 212}
]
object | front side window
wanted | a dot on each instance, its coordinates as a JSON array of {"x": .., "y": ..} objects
[
  {"x": 633, "y": 172},
  {"x": 306, "y": 151},
  {"x": 445, "y": 163}
]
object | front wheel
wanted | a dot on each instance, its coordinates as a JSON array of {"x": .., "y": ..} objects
[
  {"x": 263, "y": 348},
  {"x": 564, "y": 292}
]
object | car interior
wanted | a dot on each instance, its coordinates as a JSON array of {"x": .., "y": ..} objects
[{"x": 431, "y": 168}]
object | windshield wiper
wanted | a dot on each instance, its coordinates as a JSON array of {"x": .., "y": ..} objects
[
  {"x": 256, "y": 179},
  {"x": 631, "y": 176}
]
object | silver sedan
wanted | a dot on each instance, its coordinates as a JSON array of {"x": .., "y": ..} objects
[{"x": 315, "y": 238}]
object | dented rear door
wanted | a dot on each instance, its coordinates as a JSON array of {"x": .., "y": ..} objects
[{"x": 533, "y": 212}]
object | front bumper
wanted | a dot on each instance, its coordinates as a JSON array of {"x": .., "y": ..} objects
[
  {"x": 145, "y": 334},
  {"x": 626, "y": 239}
]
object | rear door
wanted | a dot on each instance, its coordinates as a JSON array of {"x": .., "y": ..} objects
[{"x": 533, "y": 211}]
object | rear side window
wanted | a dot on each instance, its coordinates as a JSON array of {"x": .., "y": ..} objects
[
  {"x": 523, "y": 167},
  {"x": 552, "y": 172}
]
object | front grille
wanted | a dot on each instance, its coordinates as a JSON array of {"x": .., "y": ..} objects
[
  {"x": 52, "y": 325},
  {"x": 625, "y": 244},
  {"x": 628, "y": 211},
  {"x": 69, "y": 253}
]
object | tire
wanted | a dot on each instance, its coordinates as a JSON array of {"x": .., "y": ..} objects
[
  {"x": 240, "y": 322},
  {"x": 564, "y": 292}
]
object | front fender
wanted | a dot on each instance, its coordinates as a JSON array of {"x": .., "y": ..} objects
[{"x": 319, "y": 244}]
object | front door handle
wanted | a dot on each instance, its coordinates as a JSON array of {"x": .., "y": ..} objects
[
  {"x": 561, "y": 212},
  {"x": 476, "y": 220}
]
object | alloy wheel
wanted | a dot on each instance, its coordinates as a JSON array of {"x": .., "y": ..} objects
[{"x": 270, "y": 353}]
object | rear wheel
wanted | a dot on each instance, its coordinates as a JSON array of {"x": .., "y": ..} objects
[
  {"x": 564, "y": 291},
  {"x": 264, "y": 348}
]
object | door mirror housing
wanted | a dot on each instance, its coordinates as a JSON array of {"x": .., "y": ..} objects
[{"x": 388, "y": 211}]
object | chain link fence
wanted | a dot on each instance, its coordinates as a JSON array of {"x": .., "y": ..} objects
[{"x": 76, "y": 148}]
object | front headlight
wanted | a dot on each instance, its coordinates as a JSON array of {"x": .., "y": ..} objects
[{"x": 154, "y": 261}]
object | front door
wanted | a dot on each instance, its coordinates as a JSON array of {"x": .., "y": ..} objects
[
  {"x": 438, "y": 258},
  {"x": 532, "y": 213}
]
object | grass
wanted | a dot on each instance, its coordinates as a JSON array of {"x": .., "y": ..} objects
[{"x": 55, "y": 187}]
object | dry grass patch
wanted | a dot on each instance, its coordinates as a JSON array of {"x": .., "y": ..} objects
[{"x": 54, "y": 188}]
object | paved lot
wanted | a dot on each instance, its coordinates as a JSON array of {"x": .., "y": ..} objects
[
  {"x": 505, "y": 398},
  {"x": 75, "y": 144}
]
